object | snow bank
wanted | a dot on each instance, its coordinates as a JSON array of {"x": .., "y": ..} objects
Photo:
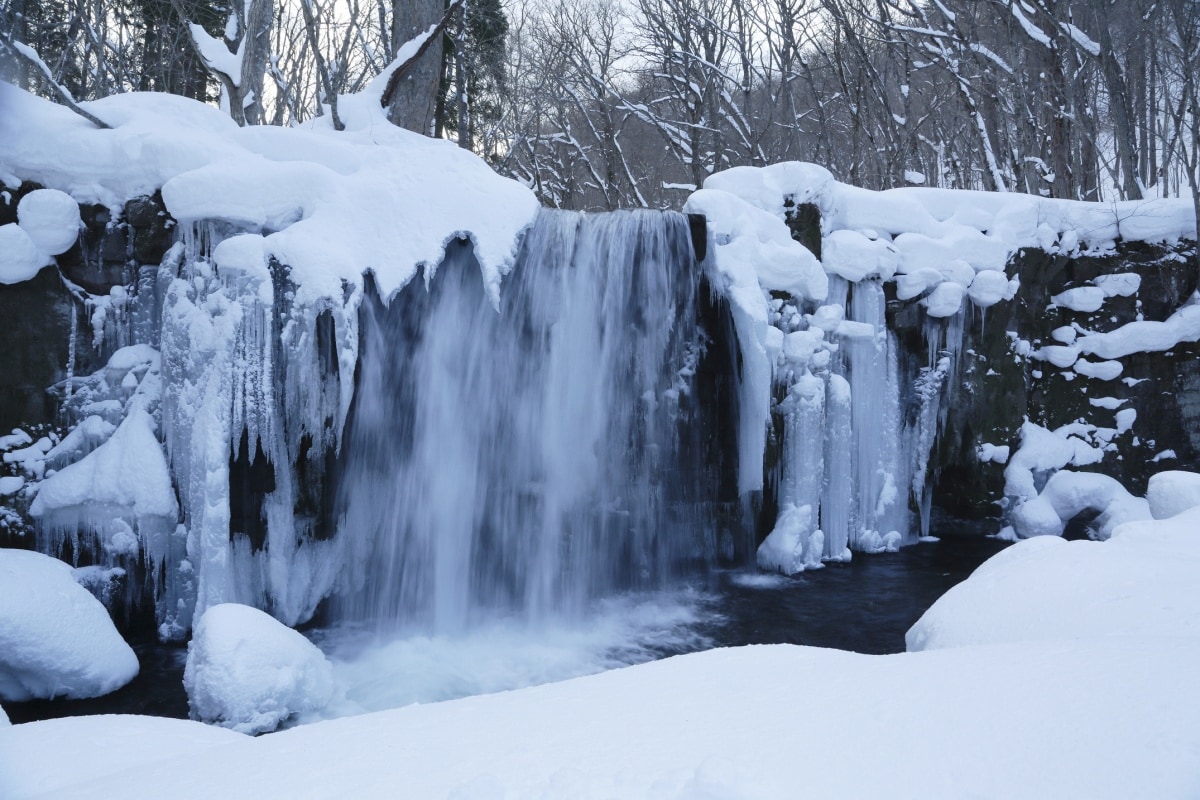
[
  {"x": 55, "y": 638},
  {"x": 51, "y": 756},
  {"x": 1137, "y": 585},
  {"x": 1094, "y": 718},
  {"x": 4, "y": 721},
  {"x": 249, "y": 672}
]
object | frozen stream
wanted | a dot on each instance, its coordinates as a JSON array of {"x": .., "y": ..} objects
[{"x": 865, "y": 605}]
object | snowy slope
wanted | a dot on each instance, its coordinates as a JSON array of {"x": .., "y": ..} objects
[{"x": 1079, "y": 709}]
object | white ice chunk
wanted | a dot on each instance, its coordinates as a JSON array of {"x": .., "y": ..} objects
[
  {"x": 249, "y": 672},
  {"x": 55, "y": 638}
]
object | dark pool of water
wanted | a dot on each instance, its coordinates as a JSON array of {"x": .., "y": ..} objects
[{"x": 865, "y": 606}]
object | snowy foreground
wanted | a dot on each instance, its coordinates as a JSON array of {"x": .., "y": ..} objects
[{"x": 1060, "y": 669}]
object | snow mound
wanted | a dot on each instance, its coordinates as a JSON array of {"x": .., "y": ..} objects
[
  {"x": 1173, "y": 492},
  {"x": 1141, "y": 582},
  {"x": 249, "y": 672},
  {"x": 4, "y": 720},
  {"x": 51, "y": 218},
  {"x": 55, "y": 638}
]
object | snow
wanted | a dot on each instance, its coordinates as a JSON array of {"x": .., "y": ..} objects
[
  {"x": 1172, "y": 492},
  {"x": 795, "y": 544},
  {"x": 128, "y": 471},
  {"x": 1145, "y": 336},
  {"x": 1092, "y": 718},
  {"x": 945, "y": 300},
  {"x": 55, "y": 638},
  {"x": 1100, "y": 370},
  {"x": 98, "y": 746},
  {"x": 328, "y": 203},
  {"x": 1132, "y": 589},
  {"x": 51, "y": 218},
  {"x": 1067, "y": 494},
  {"x": 19, "y": 256},
  {"x": 249, "y": 672},
  {"x": 1083, "y": 298},
  {"x": 1057, "y": 669}
]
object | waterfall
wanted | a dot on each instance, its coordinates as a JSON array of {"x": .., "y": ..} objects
[{"x": 528, "y": 458}]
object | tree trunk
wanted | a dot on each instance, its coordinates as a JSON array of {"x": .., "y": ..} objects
[{"x": 414, "y": 103}]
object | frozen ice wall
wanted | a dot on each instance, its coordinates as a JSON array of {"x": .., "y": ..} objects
[{"x": 526, "y": 459}]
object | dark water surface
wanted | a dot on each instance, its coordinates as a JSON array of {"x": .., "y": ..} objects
[{"x": 865, "y": 606}]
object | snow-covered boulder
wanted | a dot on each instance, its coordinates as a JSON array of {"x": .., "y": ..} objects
[
  {"x": 51, "y": 218},
  {"x": 1172, "y": 492},
  {"x": 55, "y": 638},
  {"x": 1141, "y": 582},
  {"x": 249, "y": 672}
]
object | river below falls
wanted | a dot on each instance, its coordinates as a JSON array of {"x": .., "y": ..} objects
[{"x": 865, "y": 606}]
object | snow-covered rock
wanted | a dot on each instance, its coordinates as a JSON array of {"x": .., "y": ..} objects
[
  {"x": 19, "y": 256},
  {"x": 1173, "y": 492},
  {"x": 51, "y": 218},
  {"x": 55, "y": 638},
  {"x": 249, "y": 672},
  {"x": 1139, "y": 583}
]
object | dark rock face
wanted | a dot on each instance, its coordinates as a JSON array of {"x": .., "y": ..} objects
[
  {"x": 998, "y": 388},
  {"x": 37, "y": 337},
  {"x": 38, "y": 312}
]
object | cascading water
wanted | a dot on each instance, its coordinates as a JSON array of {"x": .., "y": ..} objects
[{"x": 526, "y": 459}]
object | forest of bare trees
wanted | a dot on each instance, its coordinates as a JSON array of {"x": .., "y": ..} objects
[{"x": 600, "y": 104}]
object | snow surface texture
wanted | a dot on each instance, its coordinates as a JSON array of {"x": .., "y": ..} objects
[
  {"x": 55, "y": 638},
  {"x": 1078, "y": 660},
  {"x": 249, "y": 672}
]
